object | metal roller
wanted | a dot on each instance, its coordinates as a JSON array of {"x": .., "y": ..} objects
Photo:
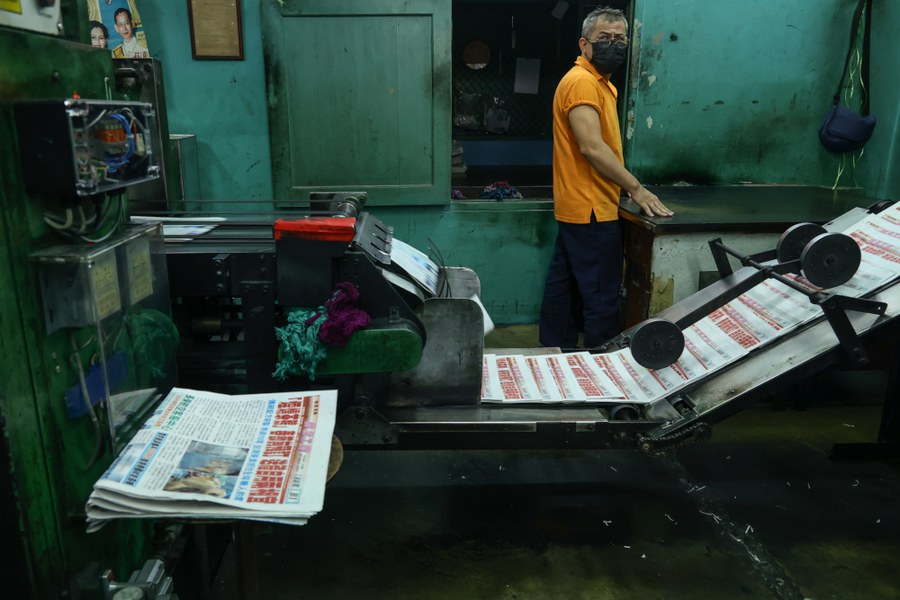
[
  {"x": 830, "y": 259},
  {"x": 624, "y": 412},
  {"x": 656, "y": 343},
  {"x": 794, "y": 239}
]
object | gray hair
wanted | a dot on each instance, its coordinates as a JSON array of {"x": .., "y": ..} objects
[{"x": 604, "y": 13}]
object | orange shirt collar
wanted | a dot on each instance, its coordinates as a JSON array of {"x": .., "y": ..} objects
[{"x": 586, "y": 64}]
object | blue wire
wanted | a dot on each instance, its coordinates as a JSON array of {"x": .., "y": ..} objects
[{"x": 113, "y": 164}]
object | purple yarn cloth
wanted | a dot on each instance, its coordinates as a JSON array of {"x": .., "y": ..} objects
[{"x": 343, "y": 318}]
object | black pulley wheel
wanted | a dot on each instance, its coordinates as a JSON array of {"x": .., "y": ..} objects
[
  {"x": 656, "y": 343},
  {"x": 794, "y": 239},
  {"x": 624, "y": 412},
  {"x": 830, "y": 260}
]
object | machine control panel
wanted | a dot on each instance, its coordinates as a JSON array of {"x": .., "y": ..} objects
[
  {"x": 42, "y": 16},
  {"x": 76, "y": 147}
]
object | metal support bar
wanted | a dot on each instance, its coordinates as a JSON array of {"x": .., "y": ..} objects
[
  {"x": 733, "y": 285},
  {"x": 887, "y": 445},
  {"x": 720, "y": 257},
  {"x": 775, "y": 271},
  {"x": 833, "y": 305},
  {"x": 835, "y": 308}
]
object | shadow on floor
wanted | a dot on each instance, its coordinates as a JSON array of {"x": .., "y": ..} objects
[{"x": 760, "y": 511}]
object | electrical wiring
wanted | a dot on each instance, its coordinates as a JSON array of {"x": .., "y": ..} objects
[
  {"x": 106, "y": 217},
  {"x": 96, "y": 119},
  {"x": 53, "y": 222},
  {"x": 75, "y": 360},
  {"x": 116, "y": 164},
  {"x": 135, "y": 123},
  {"x": 113, "y": 227},
  {"x": 137, "y": 129},
  {"x": 84, "y": 221},
  {"x": 101, "y": 210}
]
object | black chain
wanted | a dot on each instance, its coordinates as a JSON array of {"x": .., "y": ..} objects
[{"x": 698, "y": 432}]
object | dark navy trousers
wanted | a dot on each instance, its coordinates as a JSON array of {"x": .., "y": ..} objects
[{"x": 587, "y": 260}]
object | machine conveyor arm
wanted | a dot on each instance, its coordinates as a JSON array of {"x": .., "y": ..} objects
[{"x": 826, "y": 259}]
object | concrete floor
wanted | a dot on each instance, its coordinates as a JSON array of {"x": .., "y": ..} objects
[{"x": 759, "y": 511}]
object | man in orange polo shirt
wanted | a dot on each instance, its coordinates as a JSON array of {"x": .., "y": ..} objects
[{"x": 588, "y": 177}]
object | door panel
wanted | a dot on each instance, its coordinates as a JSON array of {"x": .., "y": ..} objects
[{"x": 359, "y": 99}]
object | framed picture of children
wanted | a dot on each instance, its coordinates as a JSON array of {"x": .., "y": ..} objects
[{"x": 116, "y": 25}]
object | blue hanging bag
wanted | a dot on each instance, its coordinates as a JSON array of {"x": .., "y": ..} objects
[{"x": 844, "y": 129}]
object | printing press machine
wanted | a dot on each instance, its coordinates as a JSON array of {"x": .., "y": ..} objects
[{"x": 413, "y": 378}]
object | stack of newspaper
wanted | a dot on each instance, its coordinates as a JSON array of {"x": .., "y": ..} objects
[
  {"x": 761, "y": 315},
  {"x": 203, "y": 455}
]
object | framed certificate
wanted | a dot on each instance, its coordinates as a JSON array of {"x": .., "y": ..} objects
[{"x": 216, "y": 29}]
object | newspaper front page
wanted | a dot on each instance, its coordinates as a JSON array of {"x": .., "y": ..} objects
[
  {"x": 213, "y": 456},
  {"x": 766, "y": 312}
]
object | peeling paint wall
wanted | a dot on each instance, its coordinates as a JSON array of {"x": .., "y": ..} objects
[{"x": 728, "y": 92}]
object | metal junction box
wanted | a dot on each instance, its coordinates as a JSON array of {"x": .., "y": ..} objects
[
  {"x": 74, "y": 147},
  {"x": 82, "y": 285}
]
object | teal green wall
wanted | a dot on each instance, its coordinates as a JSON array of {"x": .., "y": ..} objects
[
  {"x": 878, "y": 171},
  {"x": 224, "y": 104},
  {"x": 740, "y": 94},
  {"x": 507, "y": 243},
  {"x": 221, "y": 101},
  {"x": 738, "y": 97}
]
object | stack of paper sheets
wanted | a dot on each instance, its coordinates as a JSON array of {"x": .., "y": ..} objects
[
  {"x": 203, "y": 456},
  {"x": 761, "y": 315}
]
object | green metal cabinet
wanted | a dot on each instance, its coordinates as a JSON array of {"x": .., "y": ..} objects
[{"x": 44, "y": 474}]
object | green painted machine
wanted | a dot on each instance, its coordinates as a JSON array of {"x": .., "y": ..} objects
[{"x": 86, "y": 340}]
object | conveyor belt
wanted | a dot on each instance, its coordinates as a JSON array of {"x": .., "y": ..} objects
[{"x": 685, "y": 414}]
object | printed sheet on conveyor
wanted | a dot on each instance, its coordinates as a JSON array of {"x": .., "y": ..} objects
[{"x": 759, "y": 316}]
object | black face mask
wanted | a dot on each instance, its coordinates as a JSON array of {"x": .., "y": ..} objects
[{"x": 608, "y": 58}]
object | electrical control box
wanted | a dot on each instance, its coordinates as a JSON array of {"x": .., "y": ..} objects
[
  {"x": 75, "y": 147},
  {"x": 111, "y": 299},
  {"x": 82, "y": 285},
  {"x": 43, "y": 16}
]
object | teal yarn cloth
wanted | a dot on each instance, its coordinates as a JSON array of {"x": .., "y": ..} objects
[{"x": 301, "y": 348}]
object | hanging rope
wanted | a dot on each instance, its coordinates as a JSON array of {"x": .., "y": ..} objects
[{"x": 856, "y": 67}]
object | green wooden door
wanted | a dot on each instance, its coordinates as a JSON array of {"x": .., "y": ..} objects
[{"x": 359, "y": 98}]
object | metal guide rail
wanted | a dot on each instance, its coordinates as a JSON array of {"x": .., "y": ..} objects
[{"x": 226, "y": 291}]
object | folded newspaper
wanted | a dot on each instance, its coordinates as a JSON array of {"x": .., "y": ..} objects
[{"x": 203, "y": 455}]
